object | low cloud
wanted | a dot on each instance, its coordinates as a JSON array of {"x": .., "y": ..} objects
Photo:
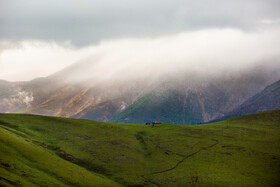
[
  {"x": 25, "y": 97},
  {"x": 271, "y": 21},
  {"x": 210, "y": 51},
  {"x": 18, "y": 99},
  {"x": 207, "y": 51}
]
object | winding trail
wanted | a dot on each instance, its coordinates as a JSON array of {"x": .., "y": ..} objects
[{"x": 188, "y": 156}]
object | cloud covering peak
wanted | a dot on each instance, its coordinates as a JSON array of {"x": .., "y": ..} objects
[
  {"x": 207, "y": 51},
  {"x": 139, "y": 37}
]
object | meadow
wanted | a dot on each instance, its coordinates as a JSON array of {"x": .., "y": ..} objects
[{"x": 50, "y": 151}]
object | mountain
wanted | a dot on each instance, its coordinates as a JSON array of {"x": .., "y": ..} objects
[
  {"x": 36, "y": 150},
  {"x": 184, "y": 97},
  {"x": 267, "y": 99},
  {"x": 184, "y": 100},
  {"x": 175, "y": 105},
  {"x": 192, "y": 102}
]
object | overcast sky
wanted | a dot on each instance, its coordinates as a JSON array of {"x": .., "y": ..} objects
[{"x": 38, "y": 37}]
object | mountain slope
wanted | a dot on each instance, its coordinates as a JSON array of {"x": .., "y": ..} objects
[
  {"x": 267, "y": 99},
  {"x": 185, "y": 98},
  {"x": 191, "y": 102},
  {"x": 103, "y": 111},
  {"x": 174, "y": 106},
  {"x": 37, "y": 150}
]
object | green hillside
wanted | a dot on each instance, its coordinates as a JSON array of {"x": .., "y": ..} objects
[{"x": 50, "y": 151}]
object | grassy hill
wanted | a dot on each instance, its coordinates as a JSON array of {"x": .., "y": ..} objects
[{"x": 41, "y": 150}]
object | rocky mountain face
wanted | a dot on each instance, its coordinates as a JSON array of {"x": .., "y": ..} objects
[
  {"x": 182, "y": 99},
  {"x": 267, "y": 99},
  {"x": 56, "y": 97},
  {"x": 195, "y": 103},
  {"x": 175, "y": 105}
]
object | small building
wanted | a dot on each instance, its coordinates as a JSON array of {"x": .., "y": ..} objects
[{"x": 156, "y": 122}]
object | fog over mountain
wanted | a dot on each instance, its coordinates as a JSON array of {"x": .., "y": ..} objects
[
  {"x": 205, "y": 52},
  {"x": 139, "y": 92},
  {"x": 135, "y": 61},
  {"x": 210, "y": 51},
  {"x": 39, "y": 38}
]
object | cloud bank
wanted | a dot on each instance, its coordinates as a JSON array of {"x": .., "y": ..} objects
[
  {"x": 135, "y": 38},
  {"x": 208, "y": 51}
]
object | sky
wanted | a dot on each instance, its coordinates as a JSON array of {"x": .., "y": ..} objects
[{"x": 38, "y": 38}]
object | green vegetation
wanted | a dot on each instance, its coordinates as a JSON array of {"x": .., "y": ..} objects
[
  {"x": 168, "y": 106},
  {"x": 49, "y": 151}
]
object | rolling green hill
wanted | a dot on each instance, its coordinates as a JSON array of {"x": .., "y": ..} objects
[{"x": 51, "y": 151}]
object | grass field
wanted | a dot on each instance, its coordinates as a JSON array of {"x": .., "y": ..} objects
[{"x": 51, "y": 151}]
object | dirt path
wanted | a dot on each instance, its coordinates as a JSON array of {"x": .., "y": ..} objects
[{"x": 188, "y": 156}]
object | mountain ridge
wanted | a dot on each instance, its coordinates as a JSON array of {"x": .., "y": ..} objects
[
  {"x": 267, "y": 99},
  {"x": 184, "y": 97}
]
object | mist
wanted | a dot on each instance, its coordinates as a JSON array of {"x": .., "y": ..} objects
[{"x": 206, "y": 52}]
